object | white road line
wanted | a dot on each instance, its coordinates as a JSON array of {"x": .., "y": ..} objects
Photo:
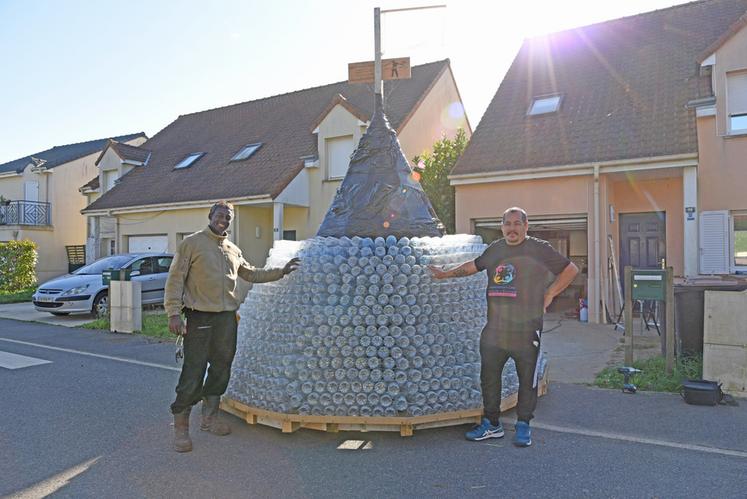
[
  {"x": 14, "y": 361},
  {"x": 544, "y": 426},
  {"x": 89, "y": 354},
  {"x": 640, "y": 440}
]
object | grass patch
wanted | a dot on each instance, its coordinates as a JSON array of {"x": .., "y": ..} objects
[
  {"x": 654, "y": 377},
  {"x": 21, "y": 296},
  {"x": 154, "y": 325}
]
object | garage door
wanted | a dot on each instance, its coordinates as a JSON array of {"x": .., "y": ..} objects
[{"x": 142, "y": 244}]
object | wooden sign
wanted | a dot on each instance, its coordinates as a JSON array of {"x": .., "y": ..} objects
[{"x": 391, "y": 69}]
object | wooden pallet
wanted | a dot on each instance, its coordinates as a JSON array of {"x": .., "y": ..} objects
[{"x": 290, "y": 423}]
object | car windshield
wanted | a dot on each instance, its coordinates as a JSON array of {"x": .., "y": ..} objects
[{"x": 99, "y": 266}]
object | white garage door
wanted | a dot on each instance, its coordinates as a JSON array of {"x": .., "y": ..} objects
[{"x": 141, "y": 244}]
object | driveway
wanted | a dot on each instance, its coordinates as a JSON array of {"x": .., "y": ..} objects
[
  {"x": 577, "y": 351},
  {"x": 27, "y": 312}
]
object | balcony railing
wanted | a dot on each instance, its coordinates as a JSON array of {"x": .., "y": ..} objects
[{"x": 25, "y": 213}]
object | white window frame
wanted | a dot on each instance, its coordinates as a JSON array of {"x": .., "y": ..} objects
[
  {"x": 536, "y": 108},
  {"x": 189, "y": 160},
  {"x": 110, "y": 177},
  {"x": 741, "y": 112},
  {"x": 733, "y": 242},
  {"x": 246, "y": 152},
  {"x": 328, "y": 147}
]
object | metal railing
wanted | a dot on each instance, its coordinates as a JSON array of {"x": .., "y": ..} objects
[{"x": 25, "y": 213}]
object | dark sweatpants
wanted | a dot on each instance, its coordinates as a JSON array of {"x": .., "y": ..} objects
[
  {"x": 495, "y": 349},
  {"x": 210, "y": 339}
]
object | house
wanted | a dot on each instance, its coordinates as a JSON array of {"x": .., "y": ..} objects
[
  {"x": 40, "y": 200},
  {"x": 279, "y": 160},
  {"x": 625, "y": 141}
]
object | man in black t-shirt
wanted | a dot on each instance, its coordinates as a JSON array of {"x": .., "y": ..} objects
[{"x": 517, "y": 299}]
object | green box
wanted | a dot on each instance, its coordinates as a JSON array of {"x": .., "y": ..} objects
[
  {"x": 649, "y": 284},
  {"x": 115, "y": 275}
]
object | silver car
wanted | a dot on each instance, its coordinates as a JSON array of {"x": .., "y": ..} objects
[{"x": 84, "y": 291}]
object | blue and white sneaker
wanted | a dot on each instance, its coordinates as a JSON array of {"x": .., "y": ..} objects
[
  {"x": 523, "y": 436},
  {"x": 484, "y": 430}
]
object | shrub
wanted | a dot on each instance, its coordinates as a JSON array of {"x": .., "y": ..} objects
[{"x": 17, "y": 265}]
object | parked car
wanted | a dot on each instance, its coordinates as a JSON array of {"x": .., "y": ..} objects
[{"x": 84, "y": 291}]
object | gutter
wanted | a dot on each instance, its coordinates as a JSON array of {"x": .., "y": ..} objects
[
  {"x": 248, "y": 200},
  {"x": 581, "y": 169}
]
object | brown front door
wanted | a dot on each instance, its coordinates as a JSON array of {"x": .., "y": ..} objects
[{"x": 642, "y": 240}]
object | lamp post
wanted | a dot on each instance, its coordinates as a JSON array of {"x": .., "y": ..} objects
[{"x": 378, "y": 87}]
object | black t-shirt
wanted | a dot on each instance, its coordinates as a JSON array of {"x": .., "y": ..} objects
[{"x": 517, "y": 279}]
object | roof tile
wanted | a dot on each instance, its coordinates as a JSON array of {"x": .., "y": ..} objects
[
  {"x": 282, "y": 123},
  {"x": 625, "y": 85}
]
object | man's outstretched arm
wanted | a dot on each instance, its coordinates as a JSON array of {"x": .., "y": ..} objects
[{"x": 465, "y": 269}]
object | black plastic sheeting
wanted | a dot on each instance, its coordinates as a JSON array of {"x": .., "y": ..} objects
[{"x": 379, "y": 196}]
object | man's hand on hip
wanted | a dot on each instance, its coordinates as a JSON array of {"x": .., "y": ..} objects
[
  {"x": 176, "y": 325},
  {"x": 548, "y": 300}
]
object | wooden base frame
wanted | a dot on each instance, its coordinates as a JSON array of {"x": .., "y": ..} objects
[{"x": 290, "y": 423}]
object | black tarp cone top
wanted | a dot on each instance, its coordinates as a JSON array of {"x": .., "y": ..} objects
[{"x": 379, "y": 196}]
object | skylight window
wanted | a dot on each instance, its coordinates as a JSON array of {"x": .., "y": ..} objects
[
  {"x": 544, "y": 105},
  {"x": 189, "y": 160},
  {"x": 246, "y": 152}
]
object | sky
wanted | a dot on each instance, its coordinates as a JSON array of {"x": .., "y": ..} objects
[{"x": 78, "y": 70}]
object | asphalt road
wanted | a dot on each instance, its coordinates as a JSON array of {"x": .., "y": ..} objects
[{"x": 94, "y": 422}]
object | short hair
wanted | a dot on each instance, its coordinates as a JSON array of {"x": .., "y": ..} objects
[
  {"x": 220, "y": 204},
  {"x": 516, "y": 209}
]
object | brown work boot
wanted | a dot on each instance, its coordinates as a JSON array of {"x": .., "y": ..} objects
[
  {"x": 210, "y": 417},
  {"x": 182, "y": 442}
]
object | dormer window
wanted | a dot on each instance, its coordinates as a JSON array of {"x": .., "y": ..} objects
[
  {"x": 246, "y": 152},
  {"x": 189, "y": 160},
  {"x": 544, "y": 105},
  {"x": 736, "y": 97}
]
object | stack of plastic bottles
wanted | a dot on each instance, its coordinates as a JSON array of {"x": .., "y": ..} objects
[{"x": 361, "y": 329}]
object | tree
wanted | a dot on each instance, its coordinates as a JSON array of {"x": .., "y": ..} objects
[{"x": 434, "y": 168}]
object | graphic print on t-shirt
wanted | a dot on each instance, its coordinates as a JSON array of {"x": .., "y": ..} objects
[{"x": 505, "y": 274}]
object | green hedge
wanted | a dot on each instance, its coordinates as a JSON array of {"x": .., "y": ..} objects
[{"x": 17, "y": 265}]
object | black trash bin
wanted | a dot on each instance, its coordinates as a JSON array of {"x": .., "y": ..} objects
[{"x": 689, "y": 302}]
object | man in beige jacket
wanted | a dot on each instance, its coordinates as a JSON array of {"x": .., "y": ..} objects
[{"x": 202, "y": 284}]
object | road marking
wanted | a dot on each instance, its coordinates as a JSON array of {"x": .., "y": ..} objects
[
  {"x": 54, "y": 483},
  {"x": 89, "y": 354},
  {"x": 14, "y": 361},
  {"x": 544, "y": 426},
  {"x": 641, "y": 440}
]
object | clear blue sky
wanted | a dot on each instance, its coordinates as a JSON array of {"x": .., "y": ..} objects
[{"x": 78, "y": 70}]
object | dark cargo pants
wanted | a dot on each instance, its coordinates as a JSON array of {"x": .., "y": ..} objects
[
  {"x": 210, "y": 340},
  {"x": 495, "y": 349}
]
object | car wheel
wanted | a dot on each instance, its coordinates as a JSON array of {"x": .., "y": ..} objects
[
  {"x": 60, "y": 314},
  {"x": 101, "y": 305}
]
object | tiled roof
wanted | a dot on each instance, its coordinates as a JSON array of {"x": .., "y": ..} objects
[
  {"x": 128, "y": 152},
  {"x": 624, "y": 84},
  {"x": 91, "y": 185},
  {"x": 59, "y": 155},
  {"x": 282, "y": 124}
]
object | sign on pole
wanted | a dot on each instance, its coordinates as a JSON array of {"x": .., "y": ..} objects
[{"x": 392, "y": 69}]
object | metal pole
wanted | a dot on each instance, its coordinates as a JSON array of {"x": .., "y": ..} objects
[
  {"x": 377, "y": 52},
  {"x": 628, "y": 316},
  {"x": 669, "y": 307}
]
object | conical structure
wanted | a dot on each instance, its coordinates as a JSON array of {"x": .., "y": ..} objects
[{"x": 379, "y": 196}]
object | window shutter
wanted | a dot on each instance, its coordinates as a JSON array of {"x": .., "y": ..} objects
[
  {"x": 339, "y": 150},
  {"x": 736, "y": 93},
  {"x": 714, "y": 242}
]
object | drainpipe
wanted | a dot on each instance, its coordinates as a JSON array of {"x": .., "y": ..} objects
[{"x": 595, "y": 315}]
